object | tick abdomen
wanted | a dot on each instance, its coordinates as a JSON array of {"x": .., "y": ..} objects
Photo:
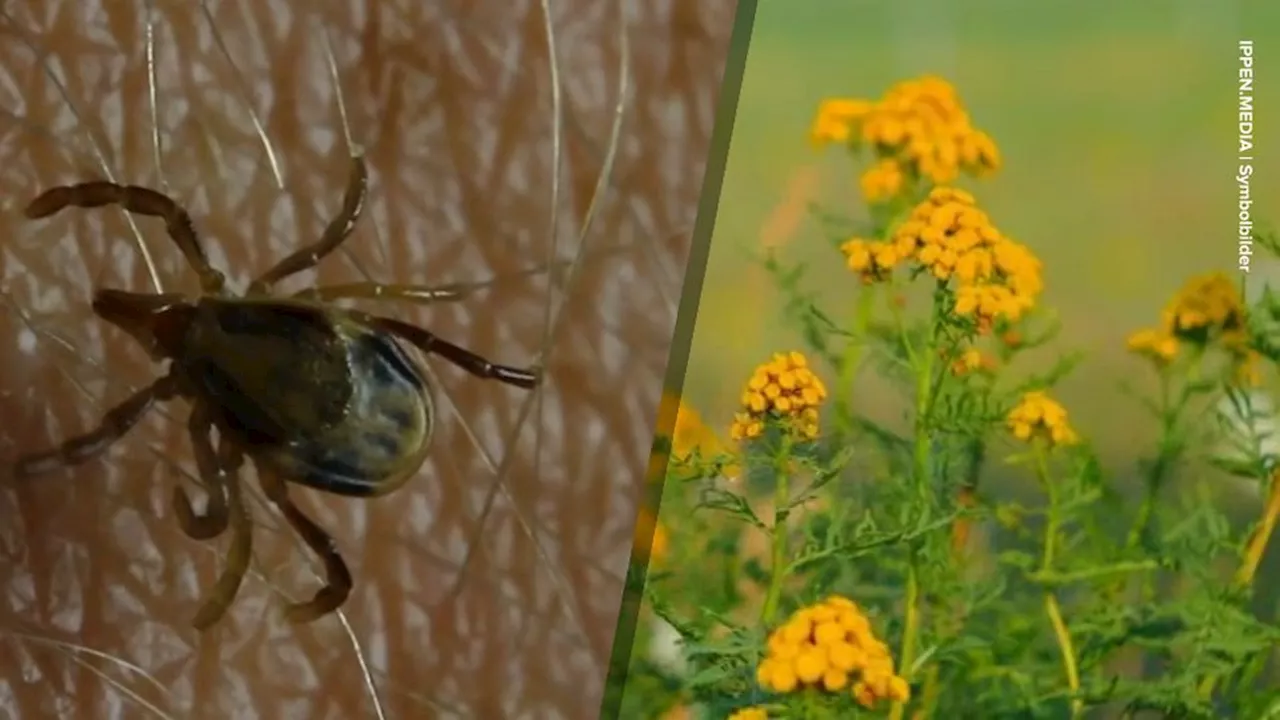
[
  {"x": 321, "y": 399},
  {"x": 384, "y": 436}
]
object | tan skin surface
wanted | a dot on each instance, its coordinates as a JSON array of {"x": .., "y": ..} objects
[{"x": 453, "y": 106}]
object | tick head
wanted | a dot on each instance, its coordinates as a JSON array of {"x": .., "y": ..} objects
[{"x": 157, "y": 322}]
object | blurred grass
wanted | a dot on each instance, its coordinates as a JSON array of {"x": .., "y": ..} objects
[{"x": 1116, "y": 122}]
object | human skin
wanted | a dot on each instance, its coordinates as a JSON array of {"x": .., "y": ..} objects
[{"x": 453, "y": 105}]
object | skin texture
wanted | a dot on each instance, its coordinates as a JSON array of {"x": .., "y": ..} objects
[{"x": 453, "y": 104}]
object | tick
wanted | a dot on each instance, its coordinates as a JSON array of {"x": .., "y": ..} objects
[{"x": 315, "y": 394}]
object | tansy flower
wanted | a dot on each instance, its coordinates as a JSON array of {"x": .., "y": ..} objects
[
  {"x": 1039, "y": 416},
  {"x": 873, "y": 260},
  {"x": 834, "y": 120},
  {"x": 750, "y": 713},
  {"x": 883, "y": 181},
  {"x": 988, "y": 302},
  {"x": 920, "y": 124},
  {"x": 1207, "y": 311},
  {"x": 995, "y": 277},
  {"x": 1207, "y": 305},
  {"x": 831, "y": 646},
  {"x": 689, "y": 434},
  {"x": 979, "y": 154},
  {"x": 783, "y": 389},
  {"x": 1158, "y": 345}
]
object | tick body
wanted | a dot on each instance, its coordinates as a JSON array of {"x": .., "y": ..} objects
[{"x": 313, "y": 394}]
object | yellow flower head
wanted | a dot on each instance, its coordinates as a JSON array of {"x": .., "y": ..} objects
[
  {"x": 920, "y": 124},
  {"x": 750, "y": 713},
  {"x": 1207, "y": 311},
  {"x": 1159, "y": 346},
  {"x": 691, "y": 433},
  {"x": 873, "y": 260},
  {"x": 883, "y": 181},
  {"x": 782, "y": 389},
  {"x": 995, "y": 277},
  {"x": 1039, "y": 416},
  {"x": 831, "y": 646},
  {"x": 979, "y": 152},
  {"x": 835, "y": 120},
  {"x": 1208, "y": 307}
]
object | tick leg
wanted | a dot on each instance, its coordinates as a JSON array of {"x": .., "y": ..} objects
[
  {"x": 428, "y": 342},
  {"x": 215, "y": 519},
  {"x": 116, "y": 423},
  {"x": 140, "y": 201},
  {"x": 238, "y": 555},
  {"x": 337, "y": 576},
  {"x": 339, "y": 230}
]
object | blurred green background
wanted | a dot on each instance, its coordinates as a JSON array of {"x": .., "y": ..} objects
[{"x": 1116, "y": 121}]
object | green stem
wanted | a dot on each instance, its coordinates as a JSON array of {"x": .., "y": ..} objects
[
  {"x": 900, "y": 323},
  {"x": 1156, "y": 476},
  {"x": 925, "y": 388},
  {"x": 778, "y": 561},
  {"x": 1053, "y": 522},
  {"x": 852, "y": 358},
  {"x": 1068, "y": 652},
  {"x": 1167, "y": 457},
  {"x": 910, "y": 629}
]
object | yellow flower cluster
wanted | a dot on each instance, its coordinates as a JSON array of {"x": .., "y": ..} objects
[
  {"x": 875, "y": 260},
  {"x": 1207, "y": 310},
  {"x": 783, "y": 388},
  {"x": 919, "y": 129},
  {"x": 831, "y": 646},
  {"x": 1039, "y": 416},
  {"x": 1157, "y": 344},
  {"x": 691, "y": 432},
  {"x": 882, "y": 181},
  {"x": 951, "y": 238},
  {"x": 836, "y": 119},
  {"x": 1207, "y": 305},
  {"x": 750, "y": 713}
]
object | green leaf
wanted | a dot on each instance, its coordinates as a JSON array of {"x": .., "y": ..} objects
[
  {"x": 718, "y": 499},
  {"x": 823, "y": 477}
]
